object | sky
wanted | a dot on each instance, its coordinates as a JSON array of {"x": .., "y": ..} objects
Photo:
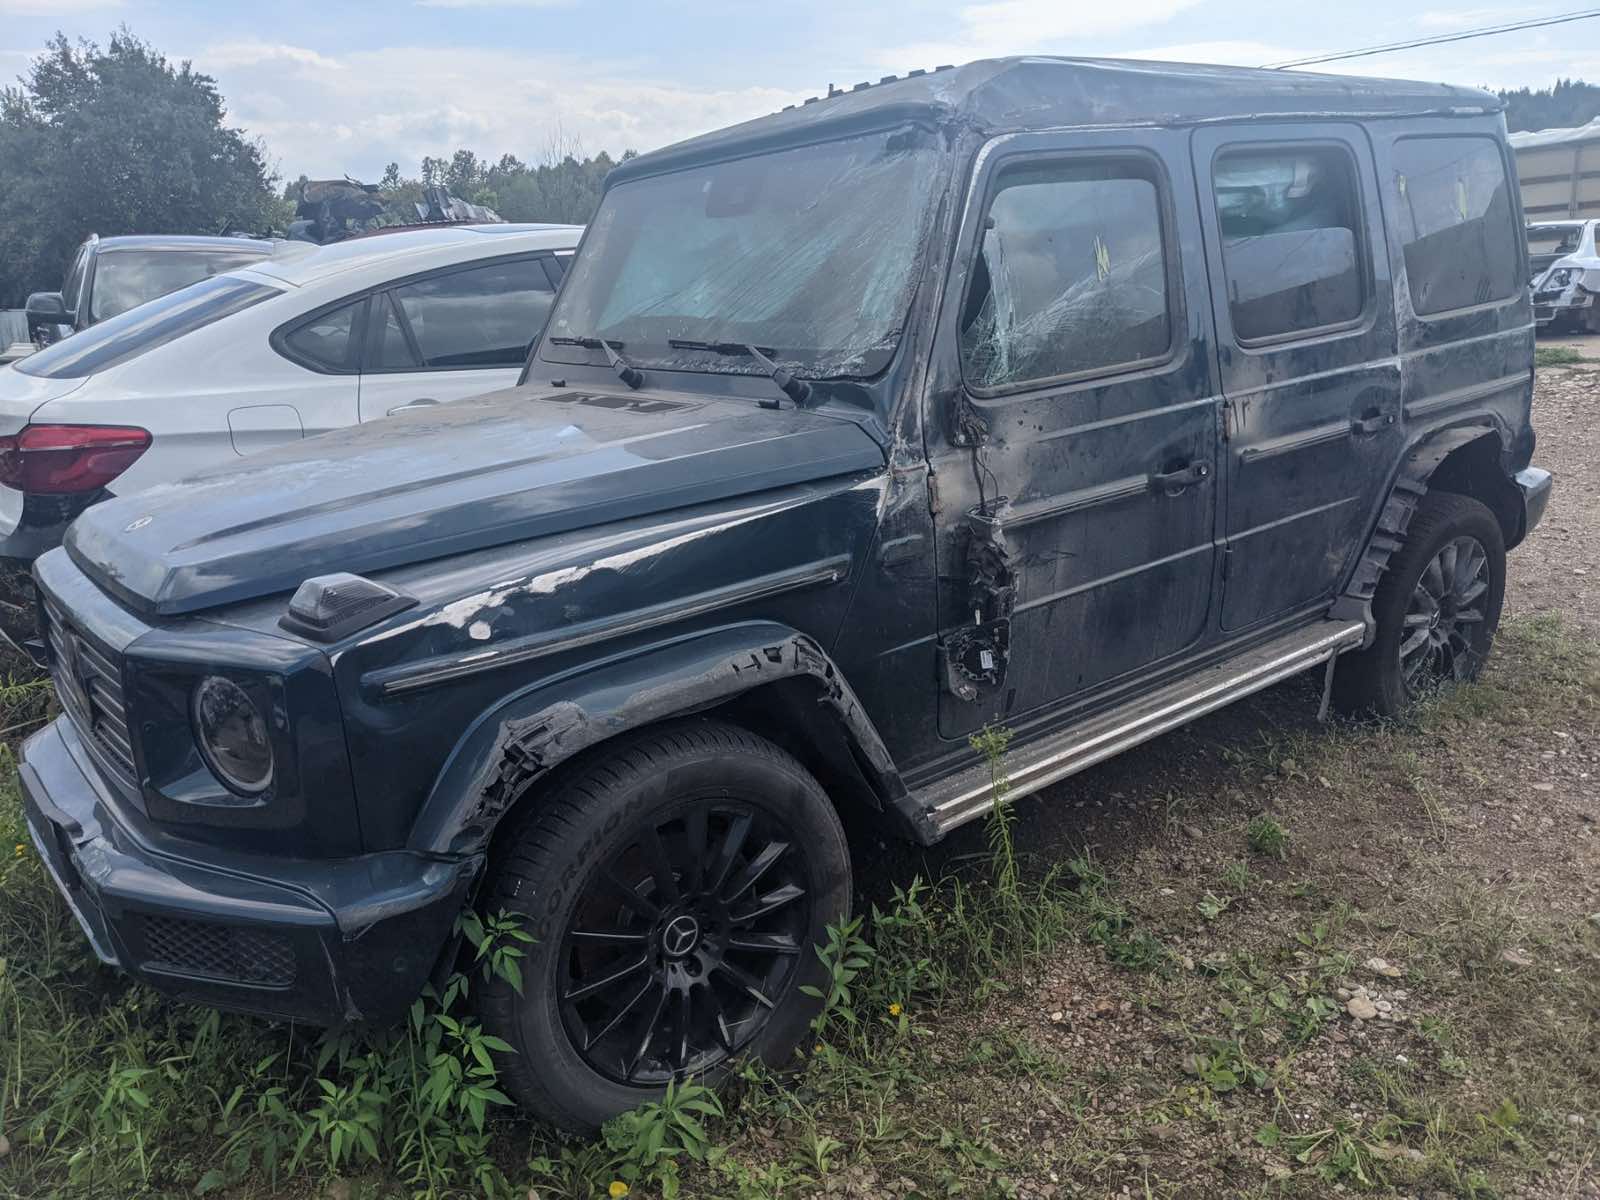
[{"x": 346, "y": 86}]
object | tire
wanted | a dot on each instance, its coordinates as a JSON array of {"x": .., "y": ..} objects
[
  {"x": 1459, "y": 630},
  {"x": 669, "y": 923}
]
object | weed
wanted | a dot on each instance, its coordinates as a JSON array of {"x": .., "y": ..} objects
[
  {"x": 1266, "y": 837},
  {"x": 1555, "y": 356}
]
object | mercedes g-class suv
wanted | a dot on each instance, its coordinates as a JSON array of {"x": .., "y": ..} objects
[{"x": 1079, "y": 396}]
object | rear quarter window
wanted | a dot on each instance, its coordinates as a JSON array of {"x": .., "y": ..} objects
[
  {"x": 1452, "y": 202},
  {"x": 140, "y": 330}
]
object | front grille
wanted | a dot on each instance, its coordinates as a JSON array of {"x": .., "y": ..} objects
[
  {"x": 222, "y": 952},
  {"x": 88, "y": 680}
]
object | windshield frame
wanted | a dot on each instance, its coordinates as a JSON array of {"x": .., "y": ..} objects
[{"x": 711, "y": 362}]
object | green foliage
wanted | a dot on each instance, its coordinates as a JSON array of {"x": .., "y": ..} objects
[
  {"x": 1569, "y": 102},
  {"x": 650, "y": 1140},
  {"x": 563, "y": 186},
  {"x": 1555, "y": 356},
  {"x": 117, "y": 140},
  {"x": 992, "y": 742},
  {"x": 1267, "y": 837}
]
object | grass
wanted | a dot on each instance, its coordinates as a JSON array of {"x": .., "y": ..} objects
[
  {"x": 1555, "y": 356},
  {"x": 1016, "y": 1024}
]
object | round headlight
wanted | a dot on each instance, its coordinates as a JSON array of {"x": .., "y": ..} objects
[{"x": 233, "y": 735}]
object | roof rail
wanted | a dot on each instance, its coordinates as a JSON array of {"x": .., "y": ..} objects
[{"x": 865, "y": 84}]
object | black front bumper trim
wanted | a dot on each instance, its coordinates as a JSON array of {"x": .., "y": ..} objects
[{"x": 329, "y": 943}]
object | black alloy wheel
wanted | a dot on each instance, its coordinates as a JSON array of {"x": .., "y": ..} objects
[
  {"x": 684, "y": 943},
  {"x": 1447, "y": 607},
  {"x": 676, "y": 884}
]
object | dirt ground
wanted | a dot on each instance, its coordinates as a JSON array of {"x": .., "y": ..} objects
[{"x": 1558, "y": 569}]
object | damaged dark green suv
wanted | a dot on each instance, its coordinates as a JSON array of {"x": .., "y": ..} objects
[{"x": 998, "y": 394}]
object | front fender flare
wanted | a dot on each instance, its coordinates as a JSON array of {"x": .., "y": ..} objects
[{"x": 533, "y": 730}]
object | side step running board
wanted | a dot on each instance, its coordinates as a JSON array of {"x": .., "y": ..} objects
[{"x": 960, "y": 798}]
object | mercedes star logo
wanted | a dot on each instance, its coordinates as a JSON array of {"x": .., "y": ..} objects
[{"x": 680, "y": 935}]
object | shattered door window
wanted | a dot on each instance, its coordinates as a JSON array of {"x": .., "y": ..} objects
[
  {"x": 1453, "y": 205},
  {"x": 1071, "y": 276},
  {"x": 1290, "y": 243}
]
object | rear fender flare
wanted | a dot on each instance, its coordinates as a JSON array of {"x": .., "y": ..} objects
[
  {"x": 532, "y": 731},
  {"x": 1411, "y": 483}
]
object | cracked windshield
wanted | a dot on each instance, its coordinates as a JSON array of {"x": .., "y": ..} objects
[{"x": 810, "y": 254}]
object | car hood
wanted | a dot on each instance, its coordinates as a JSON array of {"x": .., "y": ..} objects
[{"x": 424, "y": 484}]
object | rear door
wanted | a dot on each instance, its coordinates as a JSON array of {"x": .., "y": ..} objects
[
  {"x": 1303, "y": 297},
  {"x": 453, "y": 333},
  {"x": 1075, "y": 331}
]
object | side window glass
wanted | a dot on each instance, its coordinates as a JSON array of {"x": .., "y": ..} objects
[
  {"x": 1071, "y": 276},
  {"x": 1453, "y": 205},
  {"x": 484, "y": 317},
  {"x": 1291, "y": 246},
  {"x": 326, "y": 340},
  {"x": 391, "y": 351}
]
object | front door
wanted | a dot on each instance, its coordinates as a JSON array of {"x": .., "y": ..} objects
[
  {"x": 1306, "y": 341},
  {"x": 1075, "y": 423}
]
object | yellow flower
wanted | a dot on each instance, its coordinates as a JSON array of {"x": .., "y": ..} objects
[
  {"x": 895, "y": 1010},
  {"x": 21, "y": 849},
  {"x": 617, "y": 1190}
]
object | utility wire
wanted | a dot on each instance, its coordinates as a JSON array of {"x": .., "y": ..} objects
[{"x": 1440, "y": 39}]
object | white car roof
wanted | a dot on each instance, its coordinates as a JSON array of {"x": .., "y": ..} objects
[{"x": 301, "y": 263}]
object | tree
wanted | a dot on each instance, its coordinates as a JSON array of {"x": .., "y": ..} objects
[
  {"x": 1570, "y": 102},
  {"x": 117, "y": 141}
]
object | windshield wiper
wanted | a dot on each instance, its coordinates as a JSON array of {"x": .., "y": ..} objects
[
  {"x": 797, "y": 390},
  {"x": 626, "y": 371}
]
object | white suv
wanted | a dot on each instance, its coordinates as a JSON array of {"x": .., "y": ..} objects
[{"x": 307, "y": 340}]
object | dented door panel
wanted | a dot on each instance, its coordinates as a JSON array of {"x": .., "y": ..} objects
[
  {"x": 1076, "y": 512},
  {"x": 1302, "y": 294}
]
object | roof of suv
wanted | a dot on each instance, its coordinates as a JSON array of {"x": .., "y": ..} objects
[
  {"x": 1013, "y": 94},
  {"x": 300, "y": 263},
  {"x": 173, "y": 241}
]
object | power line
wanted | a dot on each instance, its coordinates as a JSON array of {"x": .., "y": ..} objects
[{"x": 1440, "y": 39}]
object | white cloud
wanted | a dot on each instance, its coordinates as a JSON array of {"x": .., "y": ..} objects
[
  {"x": 999, "y": 27},
  {"x": 53, "y": 8},
  {"x": 1240, "y": 53},
  {"x": 251, "y": 53},
  {"x": 327, "y": 116},
  {"x": 1471, "y": 18}
]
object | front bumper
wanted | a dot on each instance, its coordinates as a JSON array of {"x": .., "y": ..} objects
[
  {"x": 328, "y": 943},
  {"x": 1535, "y": 484}
]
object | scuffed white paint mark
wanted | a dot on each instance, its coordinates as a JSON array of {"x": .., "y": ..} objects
[{"x": 478, "y": 631}]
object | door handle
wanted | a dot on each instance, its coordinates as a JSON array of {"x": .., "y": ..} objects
[
  {"x": 1370, "y": 422},
  {"x": 1173, "y": 482},
  {"x": 425, "y": 402}
]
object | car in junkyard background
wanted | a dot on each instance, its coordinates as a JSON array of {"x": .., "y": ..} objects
[
  {"x": 1566, "y": 274},
  {"x": 309, "y": 339},
  {"x": 108, "y": 276}
]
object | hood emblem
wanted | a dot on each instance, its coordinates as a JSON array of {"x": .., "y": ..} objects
[{"x": 139, "y": 523}]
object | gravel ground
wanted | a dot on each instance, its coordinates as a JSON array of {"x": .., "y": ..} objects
[{"x": 1558, "y": 568}]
